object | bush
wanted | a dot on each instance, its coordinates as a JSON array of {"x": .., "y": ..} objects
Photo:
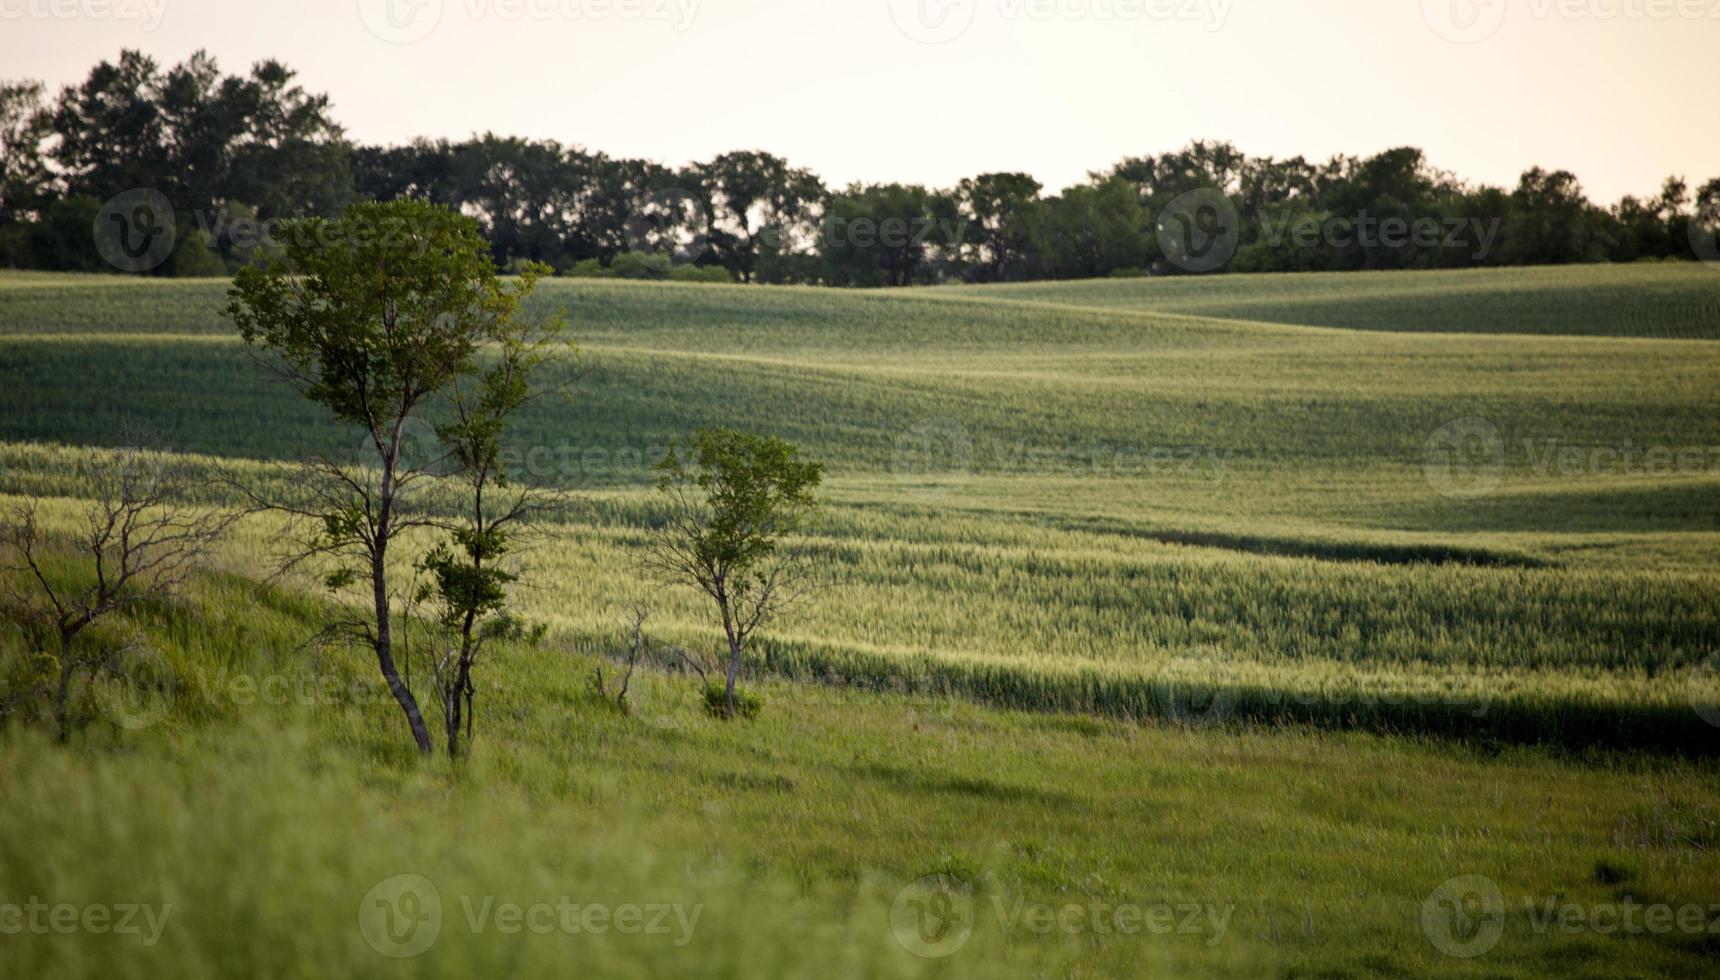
[
  {"x": 700, "y": 273},
  {"x": 194, "y": 258},
  {"x": 640, "y": 265},
  {"x": 747, "y": 704},
  {"x": 587, "y": 269}
]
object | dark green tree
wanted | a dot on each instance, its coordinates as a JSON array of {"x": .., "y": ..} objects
[
  {"x": 887, "y": 235},
  {"x": 524, "y": 194},
  {"x": 613, "y": 192},
  {"x": 756, "y": 202},
  {"x": 1200, "y": 165},
  {"x": 421, "y": 169},
  {"x": 26, "y": 184},
  {"x": 112, "y": 137},
  {"x": 1092, "y": 230},
  {"x": 289, "y": 157},
  {"x": 1552, "y": 222},
  {"x": 381, "y": 314},
  {"x": 1002, "y": 213}
]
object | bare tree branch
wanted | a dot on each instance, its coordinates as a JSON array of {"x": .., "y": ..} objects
[{"x": 138, "y": 546}]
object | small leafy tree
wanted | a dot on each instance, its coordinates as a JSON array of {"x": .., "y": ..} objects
[
  {"x": 379, "y": 316},
  {"x": 732, "y": 500},
  {"x": 137, "y": 545},
  {"x": 466, "y": 577}
]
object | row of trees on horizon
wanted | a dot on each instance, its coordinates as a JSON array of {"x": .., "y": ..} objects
[{"x": 235, "y": 153}]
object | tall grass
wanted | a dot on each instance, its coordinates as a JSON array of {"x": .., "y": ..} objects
[{"x": 266, "y": 814}]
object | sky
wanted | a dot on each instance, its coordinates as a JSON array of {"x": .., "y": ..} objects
[{"x": 1617, "y": 91}]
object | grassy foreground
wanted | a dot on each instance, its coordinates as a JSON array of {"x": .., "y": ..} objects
[{"x": 264, "y": 794}]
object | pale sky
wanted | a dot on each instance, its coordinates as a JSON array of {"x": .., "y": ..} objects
[{"x": 1618, "y": 91}]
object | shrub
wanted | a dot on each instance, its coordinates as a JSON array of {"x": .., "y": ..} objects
[
  {"x": 644, "y": 265},
  {"x": 641, "y": 265},
  {"x": 587, "y": 269},
  {"x": 701, "y": 273},
  {"x": 194, "y": 258},
  {"x": 747, "y": 703}
]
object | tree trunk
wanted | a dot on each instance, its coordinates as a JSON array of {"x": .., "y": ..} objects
[
  {"x": 385, "y": 660},
  {"x": 63, "y": 691},
  {"x": 451, "y": 722},
  {"x": 457, "y": 705},
  {"x": 734, "y": 670},
  {"x": 384, "y": 632}
]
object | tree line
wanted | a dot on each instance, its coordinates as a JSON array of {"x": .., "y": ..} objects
[{"x": 232, "y": 155}]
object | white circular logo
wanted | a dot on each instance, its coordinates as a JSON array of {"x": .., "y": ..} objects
[
  {"x": 401, "y": 916},
  {"x": 671, "y": 222},
  {"x": 1199, "y": 231},
  {"x": 420, "y": 449},
  {"x": 1464, "y": 21},
  {"x": 933, "y": 21},
  {"x": 932, "y": 917},
  {"x": 139, "y": 700},
  {"x": 135, "y": 231},
  {"x": 1464, "y": 458},
  {"x": 1704, "y": 686},
  {"x": 1464, "y": 917},
  {"x": 400, "y": 21},
  {"x": 140, "y": 469},
  {"x": 1194, "y": 703},
  {"x": 933, "y": 456}
]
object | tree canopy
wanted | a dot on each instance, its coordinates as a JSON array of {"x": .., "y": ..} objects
[{"x": 233, "y": 154}]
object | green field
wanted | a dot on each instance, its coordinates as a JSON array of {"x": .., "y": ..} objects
[
  {"x": 1295, "y": 596},
  {"x": 1671, "y": 300}
]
